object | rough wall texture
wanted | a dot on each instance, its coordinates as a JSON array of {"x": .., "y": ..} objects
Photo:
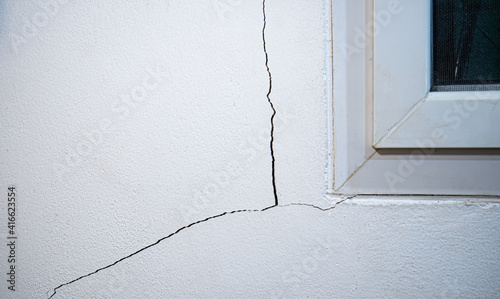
[{"x": 123, "y": 122}]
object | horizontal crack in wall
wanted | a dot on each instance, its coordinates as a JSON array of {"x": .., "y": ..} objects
[{"x": 188, "y": 226}]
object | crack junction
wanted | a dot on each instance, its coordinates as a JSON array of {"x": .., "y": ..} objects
[{"x": 275, "y": 193}]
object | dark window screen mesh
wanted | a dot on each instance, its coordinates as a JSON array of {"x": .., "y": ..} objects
[{"x": 466, "y": 44}]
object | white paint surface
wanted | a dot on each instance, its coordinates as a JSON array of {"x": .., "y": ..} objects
[{"x": 197, "y": 146}]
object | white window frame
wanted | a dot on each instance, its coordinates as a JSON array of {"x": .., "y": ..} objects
[
  {"x": 377, "y": 146},
  {"x": 405, "y": 111}
]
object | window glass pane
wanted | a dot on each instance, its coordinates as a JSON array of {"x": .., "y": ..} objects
[{"x": 466, "y": 43}]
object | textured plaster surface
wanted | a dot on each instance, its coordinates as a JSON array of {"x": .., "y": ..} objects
[{"x": 127, "y": 122}]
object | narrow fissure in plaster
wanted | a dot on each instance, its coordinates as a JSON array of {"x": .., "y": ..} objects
[
  {"x": 151, "y": 245},
  {"x": 271, "y": 142},
  {"x": 317, "y": 207},
  {"x": 276, "y": 203},
  {"x": 271, "y": 145}
]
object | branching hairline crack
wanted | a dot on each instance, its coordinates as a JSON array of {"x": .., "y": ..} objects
[
  {"x": 316, "y": 207},
  {"x": 276, "y": 203}
]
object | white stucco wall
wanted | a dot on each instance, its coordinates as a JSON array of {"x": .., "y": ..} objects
[{"x": 102, "y": 172}]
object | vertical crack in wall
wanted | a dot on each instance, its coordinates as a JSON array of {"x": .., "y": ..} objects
[
  {"x": 271, "y": 142},
  {"x": 271, "y": 145}
]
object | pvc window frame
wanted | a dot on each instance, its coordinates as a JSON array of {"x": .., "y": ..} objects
[
  {"x": 405, "y": 110},
  {"x": 391, "y": 135}
]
